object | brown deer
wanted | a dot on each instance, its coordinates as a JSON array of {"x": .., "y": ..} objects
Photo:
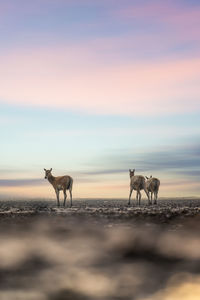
[
  {"x": 152, "y": 186},
  {"x": 137, "y": 183},
  {"x": 60, "y": 183}
]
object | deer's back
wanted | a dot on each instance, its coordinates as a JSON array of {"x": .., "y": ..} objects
[
  {"x": 153, "y": 184},
  {"x": 137, "y": 182},
  {"x": 63, "y": 181}
]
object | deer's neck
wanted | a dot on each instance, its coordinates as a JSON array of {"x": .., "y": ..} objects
[{"x": 51, "y": 179}]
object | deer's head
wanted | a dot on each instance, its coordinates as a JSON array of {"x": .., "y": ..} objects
[
  {"x": 47, "y": 173},
  {"x": 131, "y": 172}
]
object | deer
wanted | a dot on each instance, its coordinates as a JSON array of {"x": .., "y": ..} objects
[
  {"x": 137, "y": 183},
  {"x": 60, "y": 183},
  {"x": 152, "y": 186}
]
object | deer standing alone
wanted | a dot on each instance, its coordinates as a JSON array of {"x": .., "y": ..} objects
[
  {"x": 137, "y": 183},
  {"x": 152, "y": 185},
  {"x": 60, "y": 183}
]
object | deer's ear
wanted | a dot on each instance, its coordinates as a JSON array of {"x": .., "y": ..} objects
[
  {"x": 151, "y": 176},
  {"x": 146, "y": 177},
  {"x": 44, "y": 169},
  {"x": 133, "y": 170},
  {"x": 50, "y": 169}
]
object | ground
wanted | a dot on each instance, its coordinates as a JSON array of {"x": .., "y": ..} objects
[{"x": 99, "y": 249}]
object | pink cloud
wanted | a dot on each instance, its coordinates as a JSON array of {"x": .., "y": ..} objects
[
  {"x": 73, "y": 78},
  {"x": 178, "y": 18},
  {"x": 164, "y": 11}
]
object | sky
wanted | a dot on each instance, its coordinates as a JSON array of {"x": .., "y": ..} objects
[{"x": 92, "y": 88}]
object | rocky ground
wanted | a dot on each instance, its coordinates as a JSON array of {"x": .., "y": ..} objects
[
  {"x": 100, "y": 250},
  {"x": 104, "y": 210}
]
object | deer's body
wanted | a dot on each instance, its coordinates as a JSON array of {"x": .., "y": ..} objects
[
  {"x": 137, "y": 183},
  {"x": 152, "y": 185},
  {"x": 59, "y": 183}
]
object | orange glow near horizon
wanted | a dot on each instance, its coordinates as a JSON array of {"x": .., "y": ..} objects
[{"x": 100, "y": 190}]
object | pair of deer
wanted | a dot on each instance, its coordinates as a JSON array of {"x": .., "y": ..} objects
[{"x": 137, "y": 183}]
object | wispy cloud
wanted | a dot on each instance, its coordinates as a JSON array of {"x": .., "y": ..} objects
[
  {"x": 174, "y": 13},
  {"x": 21, "y": 182},
  {"x": 103, "y": 172},
  {"x": 159, "y": 27},
  {"x": 41, "y": 78},
  {"x": 184, "y": 160}
]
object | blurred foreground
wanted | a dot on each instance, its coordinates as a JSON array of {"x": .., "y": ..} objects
[{"x": 101, "y": 250}]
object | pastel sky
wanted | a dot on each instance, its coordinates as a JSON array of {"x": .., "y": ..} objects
[{"x": 92, "y": 88}]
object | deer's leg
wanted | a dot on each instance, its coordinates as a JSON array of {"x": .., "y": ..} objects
[
  {"x": 155, "y": 197},
  {"x": 65, "y": 196},
  {"x": 147, "y": 193},
  {"x": 129, "y": 201},
  {"x": 70, "y": 192},
  {"x": 57, "y": 195},
  {"x": 139, "y": 197},
  {"x": 151, "y": 197}
]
